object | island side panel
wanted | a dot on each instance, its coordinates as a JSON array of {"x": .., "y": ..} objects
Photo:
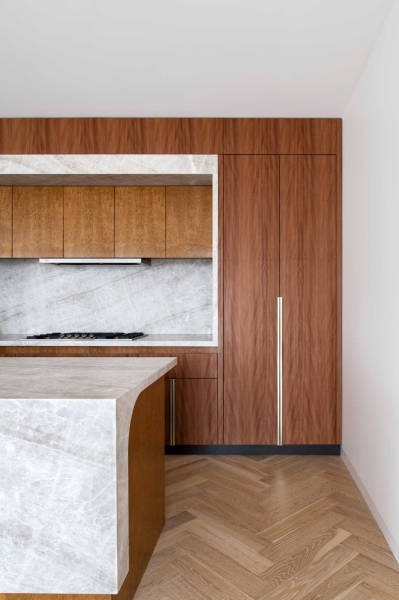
[{"x": 146, "y": 483}]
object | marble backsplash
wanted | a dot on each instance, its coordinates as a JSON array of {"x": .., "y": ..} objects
[{"x": 169, "y": 297}]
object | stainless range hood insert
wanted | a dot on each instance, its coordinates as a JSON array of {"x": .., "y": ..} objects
[{"x": 96, "y": 261}]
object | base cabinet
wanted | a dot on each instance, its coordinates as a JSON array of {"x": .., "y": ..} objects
[{"x": 195, "y": 411}]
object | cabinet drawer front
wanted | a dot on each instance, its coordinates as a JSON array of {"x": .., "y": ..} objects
[{"x": 189, "y": 366}]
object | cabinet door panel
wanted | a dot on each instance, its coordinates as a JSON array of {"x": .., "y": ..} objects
[
  {"x": 140, "y": 222},
  {"x": 251, "y": 288},
  {"x": 196, "y": 411},
  {"x": 89, "y": 222},
  {"x": 308, "y": 256},
  {"x": 189, "y": 222},
  {"x": 5, "y": 222},
  {"x": 37, "y": 222}
]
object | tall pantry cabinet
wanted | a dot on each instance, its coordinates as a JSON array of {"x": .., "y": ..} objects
[{"x": 281, "y": 299}]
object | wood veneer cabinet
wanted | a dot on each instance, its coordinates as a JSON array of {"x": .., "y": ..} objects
[
  {"x": 37, "y": 222},
  {"x": 89, "y": 228},
  {"x": 189, "y": 222},
  {"x": 140, "y": 222},
  {"x": 5, "y": 222},
  {"x": 281, "y": 233}
]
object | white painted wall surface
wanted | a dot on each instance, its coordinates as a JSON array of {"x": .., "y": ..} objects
[{"x": 371, "y": 280}]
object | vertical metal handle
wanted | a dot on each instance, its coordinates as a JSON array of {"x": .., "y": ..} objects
[
  {"x": 279, "y": 371},
  {"x": 172, "y": 412}
]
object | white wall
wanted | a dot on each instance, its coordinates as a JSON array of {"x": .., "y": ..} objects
[{"x": 371, "y": 280}]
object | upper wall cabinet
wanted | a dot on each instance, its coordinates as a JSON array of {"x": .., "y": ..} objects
[
  {"x": 140, "y": 222},
  {"x": 189, "y": 222},
  {"x": 37, "y": 222},
  {"x": 89, "y": 216},
  {"x": 280, "y": 136},
  {"x": 5, "y": 222}
]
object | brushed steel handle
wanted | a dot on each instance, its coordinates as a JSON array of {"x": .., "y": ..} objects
[
  {"x": 279, "y": 371},
  {"x": 172, "y": 412}
]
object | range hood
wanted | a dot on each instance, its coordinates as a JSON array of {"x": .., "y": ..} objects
[{"x": 96, "y": 261}]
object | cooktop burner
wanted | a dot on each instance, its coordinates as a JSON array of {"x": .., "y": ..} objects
[{"x": 86, "y": 336}]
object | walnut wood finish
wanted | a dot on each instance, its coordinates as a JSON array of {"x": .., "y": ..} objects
[
  {"x": 105, "y": 350},
  {"x": 37, "y": 222},
  {"x": 251, "y": 286},
  {"x": 220, "y": 298},
  {"x": 196, "y": 411},
  {"x": 280, "y": 136},
  {"x": 194, "y": 366},
  {"x": 189, "y": 222},
  {"x": 308, "y": 285},
  {"x": 89, "y": 222},
  {"x": 5, "y": 222},
  {"x": 140, "y": 222},
  {"x": 111, "y": 136},
  {"x": 146, "y": 494},
  {"x": 339, "y": 283}
]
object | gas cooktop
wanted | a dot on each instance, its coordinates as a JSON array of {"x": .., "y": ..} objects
[{"x": 86, "y": 336}]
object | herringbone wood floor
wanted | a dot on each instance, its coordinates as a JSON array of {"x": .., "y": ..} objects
[{"x": 277, "y": 527}]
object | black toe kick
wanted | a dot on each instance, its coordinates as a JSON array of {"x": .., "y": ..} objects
[{"x": 312, "y": 449}]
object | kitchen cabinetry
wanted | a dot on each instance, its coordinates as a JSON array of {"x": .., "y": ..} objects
[
  {"x": 189, "y": 222},
  {"x": 89, "y": 227},
  {"x": 140, "y": 222},
  {"x": 251, "y": 272},
  {"x": 5, "y": 221},
  {"x": 191, "y": 401},
  {"x": 280, "y": 241},
  {"x": 37, "y": 222}
]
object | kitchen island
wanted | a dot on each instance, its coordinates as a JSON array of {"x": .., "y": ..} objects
[{"x": 81, "y": 474}]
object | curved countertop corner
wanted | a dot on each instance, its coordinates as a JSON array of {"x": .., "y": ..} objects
[{"x": 64, "y": 435}]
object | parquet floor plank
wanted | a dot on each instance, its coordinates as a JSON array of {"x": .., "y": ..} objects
[{"x": 267, "y": 528}]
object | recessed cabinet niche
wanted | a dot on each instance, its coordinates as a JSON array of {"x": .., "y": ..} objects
[{"x": 106, "y": 222}]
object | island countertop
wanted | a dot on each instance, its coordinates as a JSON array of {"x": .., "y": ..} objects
[{"x": 64, "y": 436}]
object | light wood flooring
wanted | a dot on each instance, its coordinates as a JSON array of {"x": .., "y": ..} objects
[{"x": 277, "y": 527}]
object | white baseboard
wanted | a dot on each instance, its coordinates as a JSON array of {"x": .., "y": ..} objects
[{"x": 373, "y": 508}]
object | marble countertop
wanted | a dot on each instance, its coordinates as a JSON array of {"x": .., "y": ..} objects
[
  {"x": 64, "y": 435},
  {"x": 150, "y": 340}
]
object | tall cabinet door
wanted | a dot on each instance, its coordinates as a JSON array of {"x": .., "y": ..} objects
[
  {"x": 251, "y": 288},
  {"x": 308, "y": 286}
]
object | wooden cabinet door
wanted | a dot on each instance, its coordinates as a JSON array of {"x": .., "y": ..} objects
[
  {"x": 196, "y": 411},
  {"x": 251, "y": 288},
  {"x": 308, "y": 284},
  {"x": 89, "y": 214},
  {"x": 140, "y": 222},
  {"x": 37, "y": 222},
  {"x": 5, "y": 222},
  {"x": 189, "y": 222}
]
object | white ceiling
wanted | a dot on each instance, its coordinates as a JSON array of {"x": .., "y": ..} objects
[{"x": 183, "y": 58}]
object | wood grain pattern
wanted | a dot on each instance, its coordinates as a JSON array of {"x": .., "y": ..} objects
[
  {"x": 308, "y": 285},
  {"x": 146, "y": 494},
  {"x": 189, "y": 222},
  {"x": 339, "y": 282},
  {"x": 104, "y": 350},
  {"x": 214, "y": 544},
  {"x": 251, "y": 280},
  {"x": 195, "y": 366},
  {"x": 196, "y": 411},
  {"x": 220, "y": 298},
  {"x": 37, "y": 222},
  {"x": 146, "y": 483},
  {"x": 5, "y": 221},
  {"x": 280, "y": 136},
  {"x": 111, "y": 136},
  {"x": 89, "y": 214},
  {"x": 140, "y": 222}
]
